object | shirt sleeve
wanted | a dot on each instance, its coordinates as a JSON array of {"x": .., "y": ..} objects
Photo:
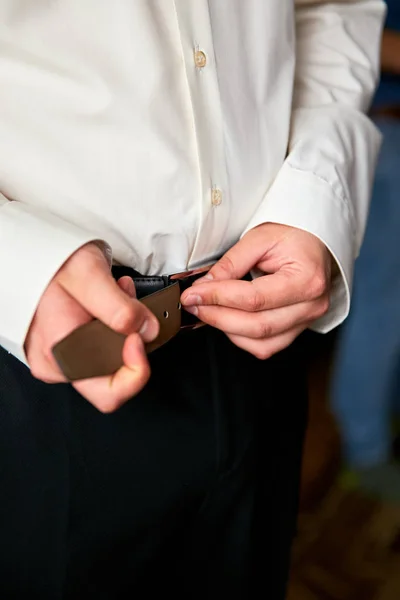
[
  {"x": 33, "y": 247},
  {"x": 325, "y": 183}
]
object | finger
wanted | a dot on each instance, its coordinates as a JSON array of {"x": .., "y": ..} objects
[
  {"x": 264, "y": 293},
  {"x": 264, "y": 324},
  {"x": 264, "y": 349},
  {"x": 237, "y": 261},
  {"x": 90, "y": 282},
  {"x": 108, "y": 394},
  {"x": 126, "y": 284},
  {"x": 57, "y": 315}
]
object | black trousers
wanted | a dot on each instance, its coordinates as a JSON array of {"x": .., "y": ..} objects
[{"x": 189, "y": 489}]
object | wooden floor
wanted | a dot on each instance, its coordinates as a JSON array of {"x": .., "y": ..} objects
[
  {"x": 348, "y": 549},
  {"x": 348, "y": 546}
]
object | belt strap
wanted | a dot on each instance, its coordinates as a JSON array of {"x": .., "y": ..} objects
[{"x": 95, "y": 350}]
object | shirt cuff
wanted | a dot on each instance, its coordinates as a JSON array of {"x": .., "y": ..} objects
[
  {"x": 303, "y": 200},
  {"x": 33, "y": 247}
]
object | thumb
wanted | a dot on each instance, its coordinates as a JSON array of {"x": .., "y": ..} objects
[{"x": 237, "y": 261}]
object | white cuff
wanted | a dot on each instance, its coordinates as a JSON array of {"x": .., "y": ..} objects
[{"x": 303, "y": 200}]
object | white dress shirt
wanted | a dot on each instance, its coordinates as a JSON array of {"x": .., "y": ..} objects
[{"x": 169, "y": 128}]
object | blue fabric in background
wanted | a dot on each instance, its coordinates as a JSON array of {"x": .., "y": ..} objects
[
  {"x": 388, "y": 92},
  {"x": 365, "y": 390},
  {"x": 393, "y": 16},
  {"x": 365, "y": 385}
]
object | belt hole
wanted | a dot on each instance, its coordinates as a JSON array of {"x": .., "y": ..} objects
[{"x": 166, "y": 314}]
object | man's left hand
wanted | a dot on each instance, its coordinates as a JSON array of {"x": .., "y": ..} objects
[{"x": 265, "y": 315}]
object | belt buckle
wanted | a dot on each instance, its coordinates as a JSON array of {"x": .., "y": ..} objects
[{"x": 187, "y": 277}]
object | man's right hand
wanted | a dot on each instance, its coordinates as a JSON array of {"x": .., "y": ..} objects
[{"x": 84, "y": 289}]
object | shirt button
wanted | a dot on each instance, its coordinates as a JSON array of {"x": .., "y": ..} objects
[
  {"x": 216, "y": 197},
  {"x": 200, "y": 59}
]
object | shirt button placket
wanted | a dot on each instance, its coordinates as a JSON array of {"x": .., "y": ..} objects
[
  {"x": 216, "y": 197},
  {"x": 200, "y": 59}
]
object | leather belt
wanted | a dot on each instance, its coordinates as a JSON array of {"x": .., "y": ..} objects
[{"x": 95, "y": 350}]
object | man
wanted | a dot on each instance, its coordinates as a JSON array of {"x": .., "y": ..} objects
[{"x": 170, "y": 135}]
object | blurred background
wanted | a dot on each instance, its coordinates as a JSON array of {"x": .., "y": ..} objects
[{"x": 348, "y": 539}]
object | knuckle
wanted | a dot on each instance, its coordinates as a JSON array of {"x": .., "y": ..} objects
[
  {"x": 323, "y": 306},
  {"x": 264, "y": 330},
  {"x": 226, "y": 265},
  {"x": 214, "y": 299},
  {"x": 318, "y": 285},
  {"x": 255, "y": 302}
]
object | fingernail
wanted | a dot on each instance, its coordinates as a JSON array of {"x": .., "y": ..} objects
[
  {"x": 191, "y": 300},
  {"x": 193, "y": 310},
  {"x": 149, "y": 330}
]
